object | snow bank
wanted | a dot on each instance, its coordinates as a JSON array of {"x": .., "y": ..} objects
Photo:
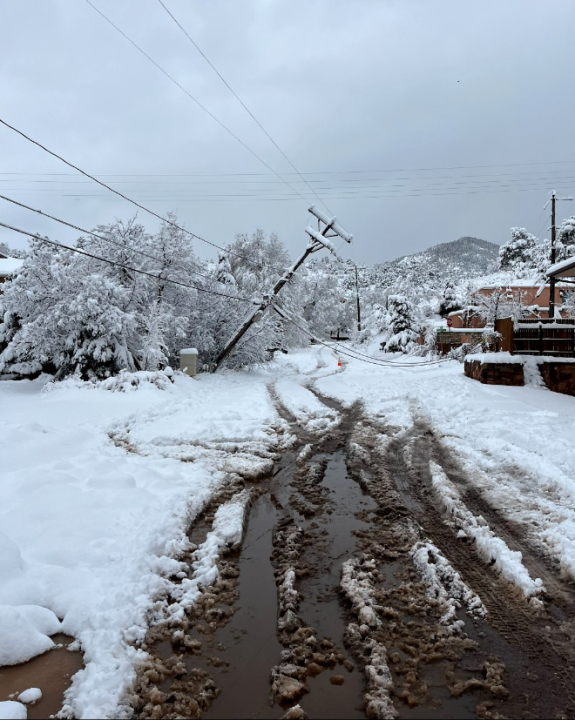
[
  {"x": 227, "y": 532},
  {"x": 490, "y": 547},
  {"x": 25, "y": 631},
  {"x": 92, "y": 527},
  {"x": 10, "y": 710}
]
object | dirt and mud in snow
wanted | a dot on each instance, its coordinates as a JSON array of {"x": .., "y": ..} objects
[{"x": 358, "y": 590}]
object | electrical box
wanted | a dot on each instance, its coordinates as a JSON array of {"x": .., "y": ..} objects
[{"x": 188, "y": 361}]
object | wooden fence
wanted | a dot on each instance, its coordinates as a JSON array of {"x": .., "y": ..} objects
[{"x": 536, "y": 337}]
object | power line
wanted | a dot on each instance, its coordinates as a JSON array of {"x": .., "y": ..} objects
[
  {"x": 245, "y": 107},
  {"x": 316, "y": 172},
  {"x": 93, "y": 234},
  {"x": 375, "y": 361},
  {"x": 353, "y": 191},
  {"x": 123, "y": 265},
  {"x": 437, "y": 180},
  {"x": 244, "y": 197},
  {"x": 124, "y": 197},
  {"x": 198, "y": 103}
]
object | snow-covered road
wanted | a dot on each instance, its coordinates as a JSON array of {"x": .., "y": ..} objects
[{"x": 99, "y": 488}]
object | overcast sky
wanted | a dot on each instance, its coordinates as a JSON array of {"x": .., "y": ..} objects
[{"x": 374, "y": 101}]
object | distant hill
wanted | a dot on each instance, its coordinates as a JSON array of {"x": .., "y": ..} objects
[{"x": 461, "y": 259}]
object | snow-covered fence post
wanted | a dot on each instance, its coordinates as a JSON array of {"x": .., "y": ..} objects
[
  {"x": 318, "y": 239},
  {"x": 188, "y": 361}
]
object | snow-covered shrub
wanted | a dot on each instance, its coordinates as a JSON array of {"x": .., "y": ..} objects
[
  {"x": 124, "y": 381},
  {"x": 429, "y": 346},
  {"x": 402, "y": 333}
]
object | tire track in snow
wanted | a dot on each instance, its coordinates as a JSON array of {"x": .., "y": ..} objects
[{"x": 541, "y": 637}]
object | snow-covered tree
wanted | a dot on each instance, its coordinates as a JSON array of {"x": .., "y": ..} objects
[
  {"x": 402, "y": 333},
  {"x": 449, "y": 301},
  {"x": 566, "y": 239},
  {"x": 69, "y": 320},
  {"x": 518, "y": 253}
]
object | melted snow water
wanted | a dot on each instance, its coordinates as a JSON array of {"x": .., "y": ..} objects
[
  {"x": 52, "y": 672},
  {"x": 250, "y": 640},
  {"x": 248, "y": 644},
  {"x": 321, "y": 607}
]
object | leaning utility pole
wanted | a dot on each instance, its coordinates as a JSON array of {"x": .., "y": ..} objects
[
  {"x": 552, "y": 279},
  {"x": 319, "y": 239}
]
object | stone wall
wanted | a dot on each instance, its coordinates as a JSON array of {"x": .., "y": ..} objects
[
  {"x": 495, "y": 373},
  {"x": 559, "y": 377}
]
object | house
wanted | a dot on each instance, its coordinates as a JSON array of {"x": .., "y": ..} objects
[
  {"x": 8, "y": 266},
  {"x": 524, "y": 301},
  {"x": 531, "y": 300}
]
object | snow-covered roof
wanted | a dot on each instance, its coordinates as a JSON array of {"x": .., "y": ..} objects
[
  {"x": 565, "y": 268},
  {"x": 8, "y": 266}
]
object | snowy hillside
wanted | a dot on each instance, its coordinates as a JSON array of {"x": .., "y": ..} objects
[{"x": 454, "y": 261}]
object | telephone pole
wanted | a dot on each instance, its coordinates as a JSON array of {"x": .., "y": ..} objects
[
  {"x": 553, "y": 237},
  {"x": 318, "y": 239},
  {"x": 357, "y": 299}
]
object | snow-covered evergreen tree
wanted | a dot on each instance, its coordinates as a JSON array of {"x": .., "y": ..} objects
[
  {"x": 402, "y": 333},
  {"x": 520, "y": 252},
  {"x": 69, "y": 320},
  {"x": 449, "y": 301},
  {"x": 566, "y": 239}
]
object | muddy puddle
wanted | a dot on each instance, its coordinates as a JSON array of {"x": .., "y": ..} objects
[
  {"x": 51, "y": 672},
  {"x": 248, "y": 644}
]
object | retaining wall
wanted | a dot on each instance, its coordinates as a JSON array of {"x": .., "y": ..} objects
[{"x": 558, "y": 376}]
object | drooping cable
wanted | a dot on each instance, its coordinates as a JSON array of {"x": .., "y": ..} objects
[
  {"x": 124, "y": 197},
  {"x": 123, "y": 265},
  {"x": 93, "y": 234}
]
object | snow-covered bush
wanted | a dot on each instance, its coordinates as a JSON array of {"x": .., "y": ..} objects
[{"x": 402, "y": 333}]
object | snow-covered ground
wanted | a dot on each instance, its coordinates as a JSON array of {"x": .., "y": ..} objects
[
  {"x": 96, "y": 502},
  {"x": 99, "y": 487}
]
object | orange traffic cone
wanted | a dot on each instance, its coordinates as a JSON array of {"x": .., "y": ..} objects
[{"x": 339, "y": 362}]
